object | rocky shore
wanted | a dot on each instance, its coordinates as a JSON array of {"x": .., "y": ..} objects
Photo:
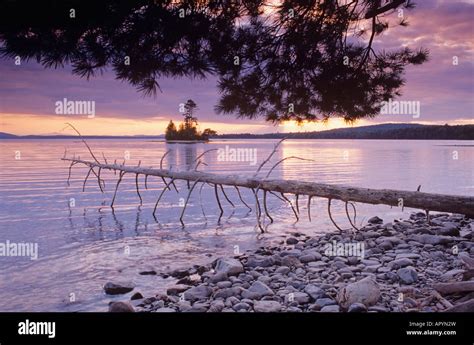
[{"x": 407, "y": 265}]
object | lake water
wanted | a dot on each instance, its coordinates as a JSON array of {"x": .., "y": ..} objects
[{"x": 84, "y": 245}]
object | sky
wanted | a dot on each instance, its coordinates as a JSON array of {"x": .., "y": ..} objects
[{"x": 28, "y": 92}]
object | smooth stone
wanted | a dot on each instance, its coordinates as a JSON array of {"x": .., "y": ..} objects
[
  {"x": 399, "y": 263},
  {"x": 177, "y": 289},
  {"x": 267, "y": 306},
  {"x": 218, "y": 277},
  {"x": 241, "y": 306},
  {"x": 136, "y": 296},
  {"x": 432, "y": 239},
  {"x": 227, "y": 292},
  {"x": 224, "y": 284},
  {"x": 166, "y": 310},
  {"x": 299, "y": 297},
  {"x": 407, "y": 256},
  {"x": 291, "y": 241},
  {"x": 322, "y": 302},
  {"x": 120, "y": 307},
  {"x": 282, "y": 270},
  {"x": 357, "y": 308},
  {"x": 307, "y": 258},
  {"x": 330, "y": 309},
  {"x": 375, "y": 220}
]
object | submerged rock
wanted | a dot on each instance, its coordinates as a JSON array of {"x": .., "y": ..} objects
[{"x": 118, "y": 289}]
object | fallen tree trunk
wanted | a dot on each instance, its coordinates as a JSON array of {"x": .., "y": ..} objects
[
  {"x": 454, "y": 287},
  {"x": 420, "y": 200},
  {"x": 465, "y": 307}
]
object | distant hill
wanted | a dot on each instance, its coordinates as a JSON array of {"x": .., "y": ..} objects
[
  {"x": 402, "y": 131},
  {"x": 382, "y": 131}
]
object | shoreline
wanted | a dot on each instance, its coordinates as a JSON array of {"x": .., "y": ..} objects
[{"x": 391, "y": 267}]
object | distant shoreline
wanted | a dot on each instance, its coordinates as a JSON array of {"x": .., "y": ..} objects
[{"x": 388, "y": 131}]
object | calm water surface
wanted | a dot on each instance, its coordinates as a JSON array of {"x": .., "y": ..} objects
[{"x": 83, "y": 246}]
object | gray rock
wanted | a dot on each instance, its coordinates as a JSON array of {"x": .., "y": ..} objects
[
  {"x": 375, "y": 220},
  {"x": 120, "y": 307},
  {"x": 291, "y": 241},
  {"x": 230, "y": 266},
  {"x": 257, "y": 290},
  {"x": 177, "y": 289},
  {"x": 118, "y": 289},
  {"x": 399, "y": 263},
  {"x": 407, "y": 275},
  {"x": 330, "y": 309},
  {"x": 357, "y": 308},
  {"x": 314, "y": 291},
  {"x": 307, "y": 258},
  {"x": 267, "y": 306},
  {"x": 227, "y": 292},
  {"x": 241, "y": 306},
  {"x": 218, "y": 277},
  {"x": 365, "y": 291},
  {"x": 282, "y": 270},
  {"x": 299, "y": 297},
  {"x": 290, "y": 261},
  {"x": 265, "y": 262},
  {"x": 165, "y": 310},
  {"x": 323, "y": 302},
  {"x": 197, "y": 293},
  {"x": 432, "y": 239},
  {"x": 407, "y": 256},
  {"x": 136, "y": 296},
  {"x": 216, "y": 306},
  {"x": 224, "y": 284}
]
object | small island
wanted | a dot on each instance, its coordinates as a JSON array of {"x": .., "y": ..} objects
[{"x": 187, "y": 130}]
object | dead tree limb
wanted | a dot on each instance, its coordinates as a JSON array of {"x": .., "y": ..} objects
[
  {"x": 186, "y": 202},
  {"x": 419, "y": 200}
]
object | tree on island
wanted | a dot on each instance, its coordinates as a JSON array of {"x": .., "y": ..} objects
[{"x": 188, "y": 128}]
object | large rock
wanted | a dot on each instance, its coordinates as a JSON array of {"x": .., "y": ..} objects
[
  {"x": 118, "y": 289},
  {"x": 257, "y": 290},
  {"x": 407, "y": 275},
  {"x": 365, "y": 291},
  {"x": 267, "y": 306},
  {"x": 197, "y": 293},
  {"x": 230, "y": 266}
]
